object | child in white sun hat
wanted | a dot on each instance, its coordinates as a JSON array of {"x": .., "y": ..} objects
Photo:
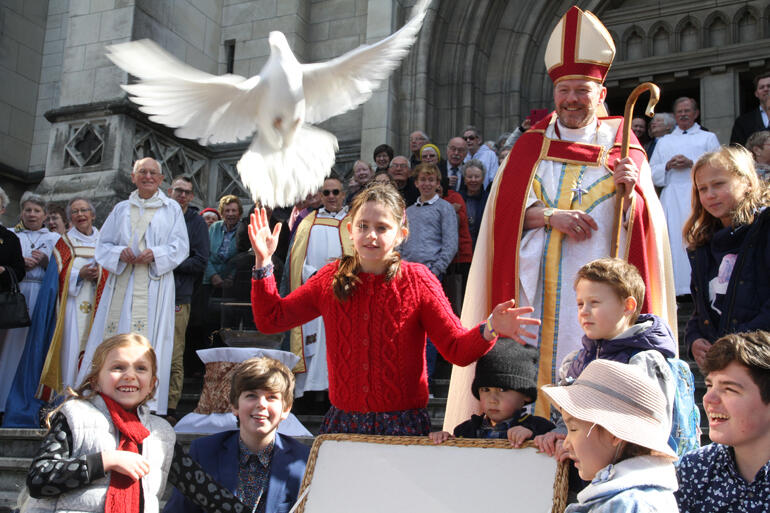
[{"x": 617, "y": 435}]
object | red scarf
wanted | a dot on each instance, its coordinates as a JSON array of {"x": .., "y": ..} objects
[{"x": 124, "y": 494}]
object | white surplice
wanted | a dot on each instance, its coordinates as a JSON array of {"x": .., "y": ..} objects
[
  {"x": 80, "y": 300},
  {"x": 676, "y": 196},
  {"x": 323, "y": 246},
  {"x": 12, "y": 341},
  {"x": 166, "y": 236}
]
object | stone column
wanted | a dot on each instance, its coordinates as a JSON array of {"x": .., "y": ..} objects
[
  {"x": 719, "y": 96},
  {"x": 378, "y": 124}
]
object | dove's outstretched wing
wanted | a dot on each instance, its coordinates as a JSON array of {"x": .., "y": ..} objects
[
  {"x": 341, "y": 84},
  {"x": 212, "y": 109}
]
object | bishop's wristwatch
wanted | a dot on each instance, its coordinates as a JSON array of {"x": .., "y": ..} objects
[{"x": 547, "y": 213}]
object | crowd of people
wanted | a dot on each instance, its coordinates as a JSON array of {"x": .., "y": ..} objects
[{"x": 560, "y": 342}]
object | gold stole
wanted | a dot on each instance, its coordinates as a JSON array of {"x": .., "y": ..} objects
[
  {"x": 51, "y": 374},
  {"x": 139, "y": 295},
  {"x": 565, "y": 199},
  {"x": 297, "y": 261}
]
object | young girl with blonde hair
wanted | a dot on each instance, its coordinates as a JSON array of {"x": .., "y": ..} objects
[
  {"x": 728, "y": 238},
  {"x": 377, "y": 310},
  {"x": 104, "y": 451}
]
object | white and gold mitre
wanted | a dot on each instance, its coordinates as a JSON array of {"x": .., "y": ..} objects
[{"x": 580, "y": 47}]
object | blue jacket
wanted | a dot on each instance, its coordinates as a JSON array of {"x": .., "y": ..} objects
[
  {"x": 644, "y": 484},
  {"x": 218, "y": 455},
  {"x": 218, "y": 265},
  {"x": 747, "y": 299},
  {"x": 475, "y": 208},
  {"x": 656, "y": 337}
]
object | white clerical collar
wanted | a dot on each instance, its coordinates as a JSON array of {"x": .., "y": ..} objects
[
  {"x": 154, "y": 201},
  {"x": 41, "y": 230},
  {"x": 429, "y": 202},
  {"x": 693, "y": 129},
  {"x": 338, "y": 214},
  {"x": 74, "y": 233},
  {"x": 586, "y": 134}
]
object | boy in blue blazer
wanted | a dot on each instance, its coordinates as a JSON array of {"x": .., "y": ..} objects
[{"x": 262, "y": 468}]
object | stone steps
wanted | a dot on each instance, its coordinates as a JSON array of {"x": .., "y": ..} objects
[
  {"x": 19, "y": 446},
  {"x": 8, "y": 501}
]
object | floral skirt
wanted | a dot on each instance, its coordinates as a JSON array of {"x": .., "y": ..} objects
[{"x": 392, "y": 423}]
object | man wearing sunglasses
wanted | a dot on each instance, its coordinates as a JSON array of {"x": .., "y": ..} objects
[{"x": 320, "y": 237}]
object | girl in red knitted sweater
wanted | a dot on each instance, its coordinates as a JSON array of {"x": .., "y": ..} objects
[{"x": 377, "y": 310}]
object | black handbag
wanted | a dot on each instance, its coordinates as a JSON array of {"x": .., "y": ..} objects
[{"x": 13, "y": 305}]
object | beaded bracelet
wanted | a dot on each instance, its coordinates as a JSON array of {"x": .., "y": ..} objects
[
  {"x": 262, "y": 272},
  {"x": 489, "y": 326}
]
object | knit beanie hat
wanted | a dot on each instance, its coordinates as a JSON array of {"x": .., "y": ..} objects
[{"x": 508, "y": 365}]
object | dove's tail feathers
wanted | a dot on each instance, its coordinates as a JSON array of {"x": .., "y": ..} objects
[{"x": 282, "y": 178}]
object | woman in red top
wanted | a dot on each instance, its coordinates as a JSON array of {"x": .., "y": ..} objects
[{"x": 377, "y": 311}]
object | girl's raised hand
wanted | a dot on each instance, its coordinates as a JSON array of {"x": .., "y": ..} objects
[
  {"x": 128, "y": 463},
  {"x": 510, "y": 322},
  {"x": 263, "y": 241}
]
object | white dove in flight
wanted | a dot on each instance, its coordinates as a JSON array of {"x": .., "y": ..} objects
[{"x": 288, "y": 158}]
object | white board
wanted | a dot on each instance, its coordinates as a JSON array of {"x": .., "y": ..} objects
[{"x": 351, "y": 473}]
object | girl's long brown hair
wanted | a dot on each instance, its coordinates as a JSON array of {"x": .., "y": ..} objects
[
  {"x": 346, "y": 278},
  {"x": 86, "y": 390},
  {"x": 736, "y": 160}
]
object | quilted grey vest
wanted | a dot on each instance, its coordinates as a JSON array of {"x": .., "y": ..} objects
[{"x": 92, "y": 432}]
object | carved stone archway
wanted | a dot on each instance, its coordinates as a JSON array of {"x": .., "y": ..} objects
[{"x": 479, "y": 62}]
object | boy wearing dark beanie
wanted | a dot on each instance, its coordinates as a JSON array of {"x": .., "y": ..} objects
[{"x": 505, "y": 382}]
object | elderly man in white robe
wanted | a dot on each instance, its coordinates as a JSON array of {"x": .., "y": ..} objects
[
  {"x": 671, "y": 165},
  {"x": 143, "y": 239}
]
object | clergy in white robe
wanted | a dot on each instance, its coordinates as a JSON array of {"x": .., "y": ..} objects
[
  {"x": 81, "y": 283},
  {"x": 143, "y": 239},
  {"x": 671, "y": 165},
  {"x": 321, "y": 237},
  {"x": 37, "y": 243}
]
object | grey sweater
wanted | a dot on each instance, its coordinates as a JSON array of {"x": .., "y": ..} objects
[{"x": 432, "y": 235}]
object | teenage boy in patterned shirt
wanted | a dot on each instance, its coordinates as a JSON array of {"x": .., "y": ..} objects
[{"x": 733, "y": 473}]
